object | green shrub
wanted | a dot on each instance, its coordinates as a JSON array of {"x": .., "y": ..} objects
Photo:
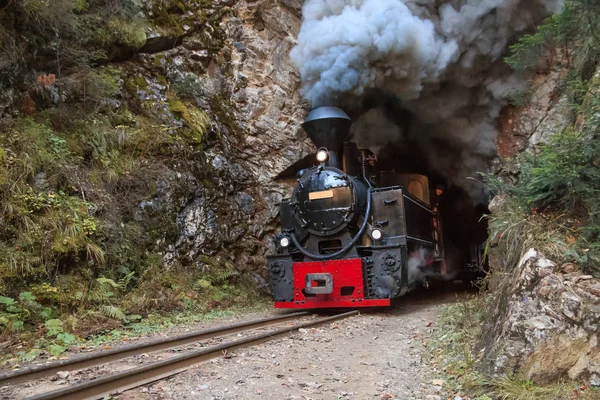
[
  {"x": 519, "y": 98},
  {"x": 57, "y": 226},
  {"x": 25, "y": 311},
  {"x": 562, "y": 173},
  {"x": 555, "y": 205},
  {"x": 516, "y": 228},
  {"x": 574, "y": 29}
]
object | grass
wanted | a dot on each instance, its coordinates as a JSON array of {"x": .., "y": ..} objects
[
  {"x": 450, "y": 346},
  {"x": 153, "y": 323},
  {"x": 515, "y": 231},
  {"x": 515, "y": 388}
]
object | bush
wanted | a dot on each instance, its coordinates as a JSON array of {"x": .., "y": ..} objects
[
  {"x": 574, "y": 30},
  {"x": 516, "y": 228},
  {"x": 555, "y": 206}
]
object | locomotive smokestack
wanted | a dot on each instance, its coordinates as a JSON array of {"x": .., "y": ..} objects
[{"x": 328, "y": 127}]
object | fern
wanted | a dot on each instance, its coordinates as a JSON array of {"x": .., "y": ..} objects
[
  {"x": 202, "y": 284},
  {"x": 113, "y": 312},
  {"x": 224, "y": 276},
  {"x": 102, "y": 291},
  {"x": 107, "y": 281},
  {"x": 126, "y": 280}
]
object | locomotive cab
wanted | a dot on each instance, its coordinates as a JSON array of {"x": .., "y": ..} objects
[{"x": 351, "y": 236}]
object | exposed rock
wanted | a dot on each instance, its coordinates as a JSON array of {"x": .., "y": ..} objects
[
  {"x": 7, "y": 102},
  {"x": 173, "y": 192},
  {"x": 544, "y": 323},
  {"x": 63, "y": 374},
  {"x": 497, "y": 203},
  {"x": 225, "y": 204},
  {"x": 548, "y": 329},
  {"x": 263, "y": 88},
  {"x": 528, "y": 126},
  {"x": 40, "y": 181}
]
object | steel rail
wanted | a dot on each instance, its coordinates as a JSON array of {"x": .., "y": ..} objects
[
  {"x": 119, "y": 382},
  {"x": 28, "y": 374}
]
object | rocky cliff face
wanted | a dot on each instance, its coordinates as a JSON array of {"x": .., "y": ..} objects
[
  {"x": 231, "y": 215},
  {"x": 525, "y": 126},
  {"x": 545, "y": 324},
  {"x": 190, "y": 116}
]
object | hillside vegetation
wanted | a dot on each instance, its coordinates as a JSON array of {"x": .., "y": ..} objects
[
  {"x": 87, "y": 139},
  {"x": 555, "y": 203}
]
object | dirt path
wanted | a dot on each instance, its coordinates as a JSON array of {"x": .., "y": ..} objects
[{"x": 377, "y": 355}]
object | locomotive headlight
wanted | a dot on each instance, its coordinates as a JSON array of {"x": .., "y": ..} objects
[
  {"x": 284, "y": 241},
  {"x": 376, "y": 234},
  {"x": 322, "y": 155}
]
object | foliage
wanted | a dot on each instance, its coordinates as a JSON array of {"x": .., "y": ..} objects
[
  {"x": 196, "y": 120},
  {"x": 530, "y": 49},
  {"x": 517, "y": 227},
  {"x": 69, "y": 227},
  {"x": 61, "y": 192},
  {"x": 574, "y": 29},
  {"x": 22, "y": 312},
  {"x": 158, "y": 322},
  {"x": 555, "y": 206},
  {"x": 74, "y": 33},
  {"x": 101, "y": 84},
  {"x": 452, "y": 342},
  {"x": 16, "y": 315},
  {"x": 59, "y": 339},
  {"x": 83, "y": 226},
  {"x": 506, "y": 387},
  {"x": 519, "y": 98},
  {"x": 562, "y": 173}
]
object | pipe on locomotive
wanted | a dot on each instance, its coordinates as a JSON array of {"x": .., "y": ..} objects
[{"x": 346, "y": 248}]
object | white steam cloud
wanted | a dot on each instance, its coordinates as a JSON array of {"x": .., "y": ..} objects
[
  {"x": 441, "y": 58},
  {"x": 349, "y": 46}
]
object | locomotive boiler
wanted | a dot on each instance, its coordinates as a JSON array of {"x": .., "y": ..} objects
[{"x": 352, "y": 236}]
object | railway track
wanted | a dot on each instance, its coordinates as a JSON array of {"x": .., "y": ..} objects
[{"x": 138, "y": 376}]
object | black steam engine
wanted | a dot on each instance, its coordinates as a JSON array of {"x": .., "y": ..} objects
[{"x": 352, "y": 236}]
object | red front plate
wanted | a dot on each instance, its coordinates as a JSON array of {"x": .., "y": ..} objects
[{"x": 348, "y": 290}]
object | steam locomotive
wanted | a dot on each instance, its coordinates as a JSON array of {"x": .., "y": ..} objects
[{"x": 352, "y": 236}]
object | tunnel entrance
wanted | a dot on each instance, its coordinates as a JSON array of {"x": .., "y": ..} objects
[
  {"x": 465, "y": 232},
  {"x": 404, "y": 144}
]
